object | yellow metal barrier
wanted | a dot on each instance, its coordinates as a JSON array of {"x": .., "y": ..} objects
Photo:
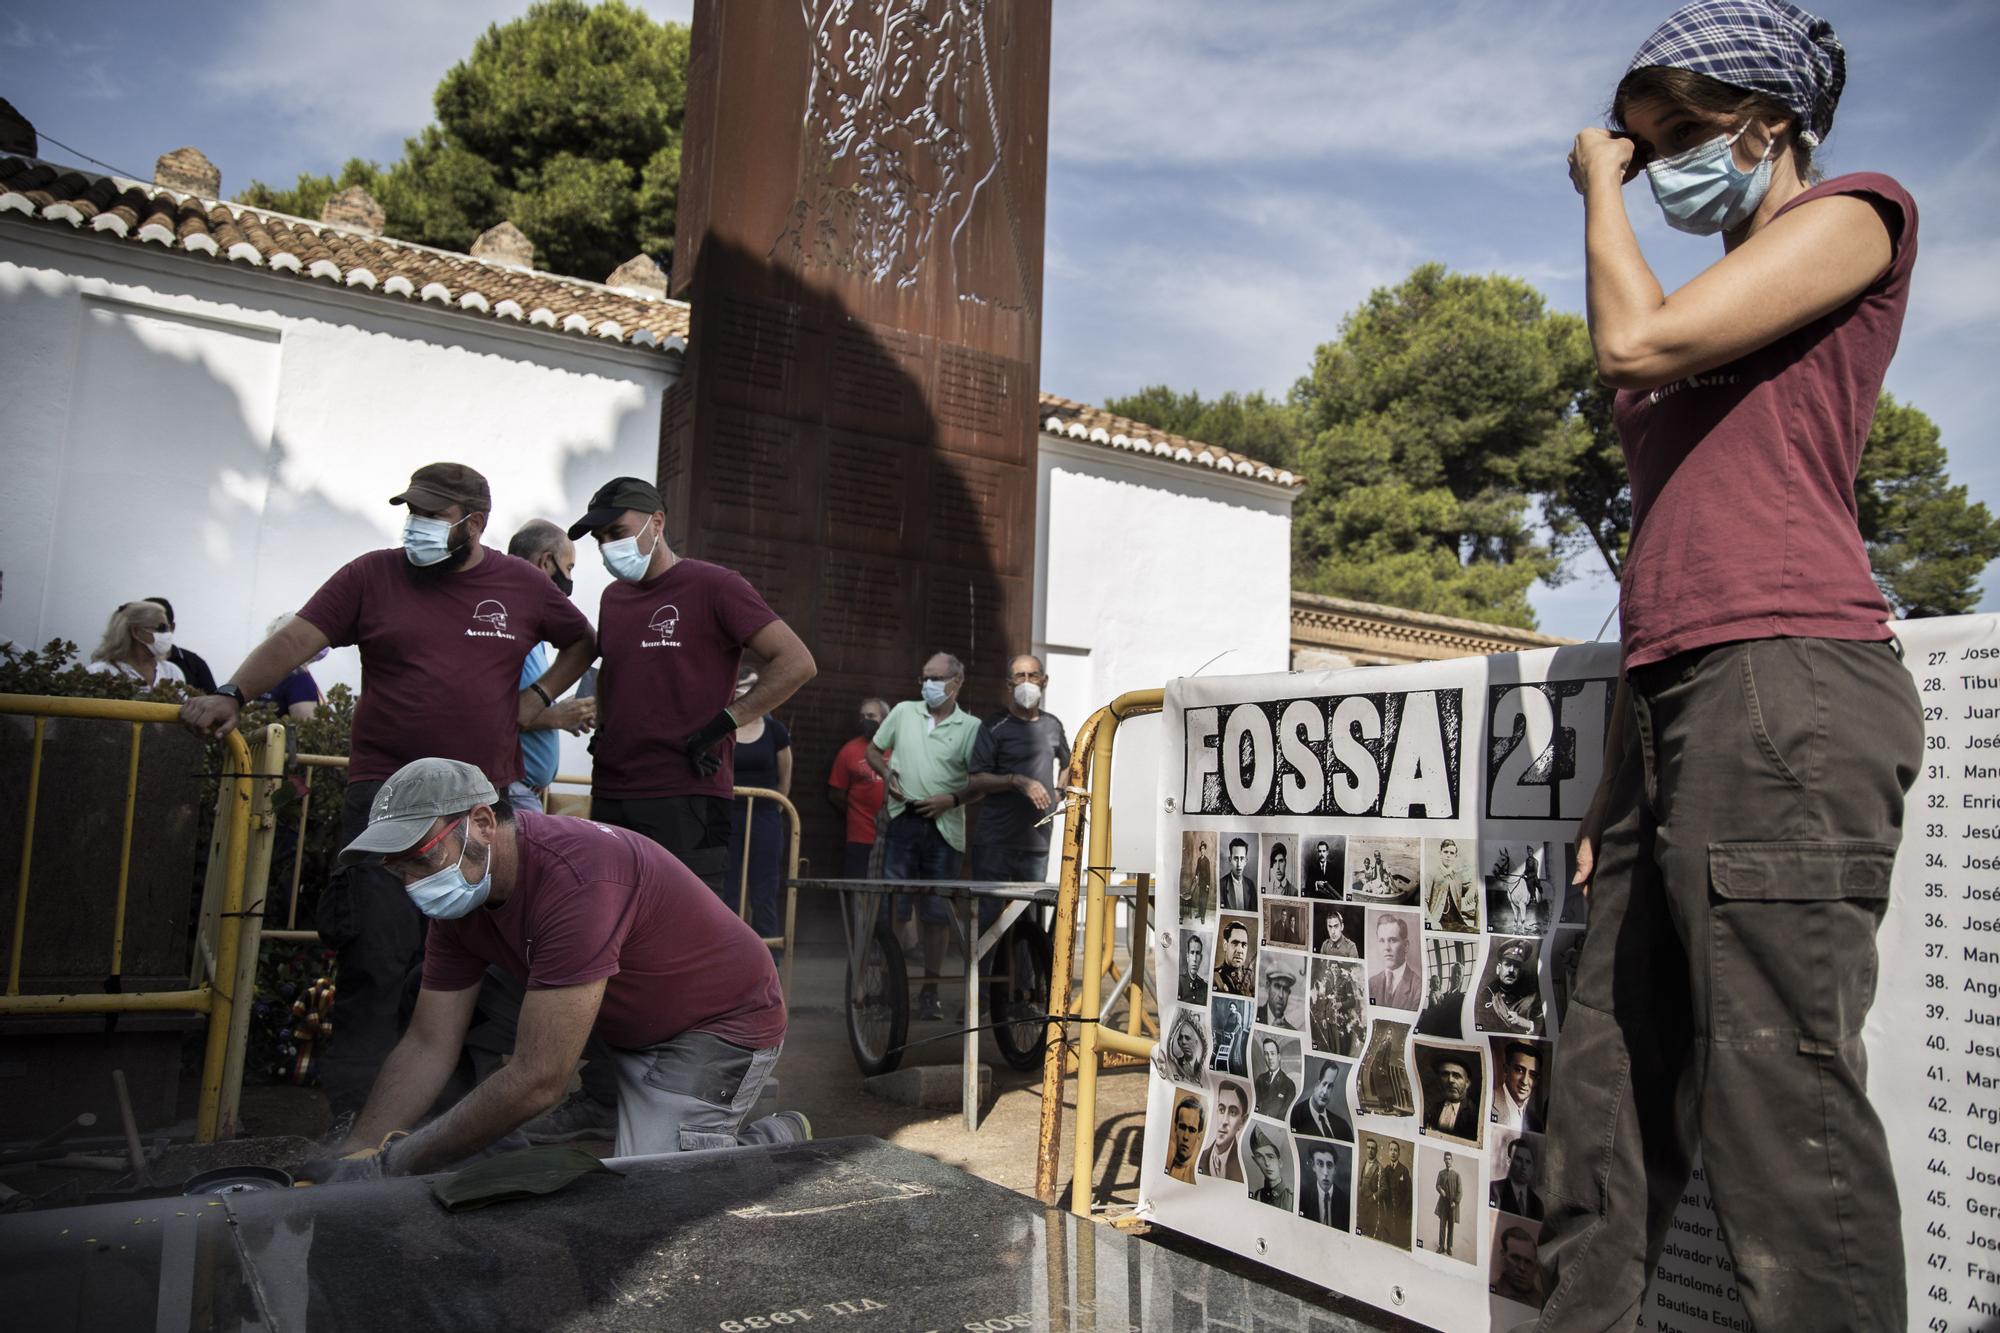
[
  {"x": 216, "y": 967},
  {"x": 1081, "y": 886}
]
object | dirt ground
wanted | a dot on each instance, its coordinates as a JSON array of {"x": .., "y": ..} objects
[{"x": 817, "y": 1075}]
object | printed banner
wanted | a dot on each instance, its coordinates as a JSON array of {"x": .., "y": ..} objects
[{"x": 1372, "y": 949}]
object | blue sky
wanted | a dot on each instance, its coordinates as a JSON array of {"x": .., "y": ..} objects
[{"x": 1221, "y": 191}]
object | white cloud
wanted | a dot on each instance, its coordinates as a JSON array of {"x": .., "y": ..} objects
[{"x": 1167, "y": 83}]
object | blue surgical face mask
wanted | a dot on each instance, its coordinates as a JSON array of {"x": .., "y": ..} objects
[
  {"x": 447, "y": 894},
  {"x": 1702, "y": 191},
  {"x": 426, "y": 541},
  {"x": 625, "y": 560},
  {"x": 935, "y": 692}
]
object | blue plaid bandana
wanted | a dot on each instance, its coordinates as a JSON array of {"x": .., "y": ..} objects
[{"x": 1766, "y": 46}]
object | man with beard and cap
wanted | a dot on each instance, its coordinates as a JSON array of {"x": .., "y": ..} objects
[
  {"x": 674, "y": 633},
  {"x": 443, "y": 623}
]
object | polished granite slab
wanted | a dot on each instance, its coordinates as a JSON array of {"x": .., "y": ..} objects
[{"x": 841, "y": 1234}]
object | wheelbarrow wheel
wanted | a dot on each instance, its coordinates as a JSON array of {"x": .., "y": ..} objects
[
  {"x": 1020, "y": 1000},
  {"x": 878, "y": 1003}
]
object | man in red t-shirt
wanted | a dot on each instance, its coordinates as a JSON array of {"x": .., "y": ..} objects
[
  {"x": 443, "y": 624},
  {"x": 855, "y": 789},
  {"x": 673, "y": 633},
  {"x": 608, "y": 934}
]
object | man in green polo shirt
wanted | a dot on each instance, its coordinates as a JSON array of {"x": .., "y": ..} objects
[{"x": 921, "y": 750}]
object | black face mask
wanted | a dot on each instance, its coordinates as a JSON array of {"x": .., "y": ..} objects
[
  {"x": 564, "y": 583},
  {"x": 869, "y": 726}
]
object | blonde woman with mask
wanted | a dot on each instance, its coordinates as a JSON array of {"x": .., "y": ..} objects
[{"x": 135, "y": 645}]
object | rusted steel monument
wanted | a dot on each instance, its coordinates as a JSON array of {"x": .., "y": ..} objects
[{"x": 860, "y": 235}]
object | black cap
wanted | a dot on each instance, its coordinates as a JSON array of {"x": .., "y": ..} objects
[
  {"x": 613, "y": 498},
  {"x": 441, "y": 485}
]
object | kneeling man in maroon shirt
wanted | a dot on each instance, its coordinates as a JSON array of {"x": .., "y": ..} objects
[{"x": 608, "y": 933}]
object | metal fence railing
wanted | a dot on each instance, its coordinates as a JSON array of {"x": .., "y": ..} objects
[{"x": 216, "y": 970}]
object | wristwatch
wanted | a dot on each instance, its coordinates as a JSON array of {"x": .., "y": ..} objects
[{"x": 231, "y": 689}]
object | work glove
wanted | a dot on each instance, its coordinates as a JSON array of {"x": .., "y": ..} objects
[
  {"x": 362, "y": 1164},
  {"x": 701, "y": 745}
]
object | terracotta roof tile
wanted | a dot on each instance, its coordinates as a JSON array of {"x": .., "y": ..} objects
[
  {"x": 224, "y": 232},
  {"x": 1081, "y": 421}
]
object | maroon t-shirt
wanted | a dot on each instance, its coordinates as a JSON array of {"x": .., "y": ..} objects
[
  {"x": 440, "y": 659},
  {"x": 671, "y": 647},
  {"x": 591, "y": 901},
  {"x": 1743, "y": 514}
]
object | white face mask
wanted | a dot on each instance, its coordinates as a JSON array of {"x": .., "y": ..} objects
[
  {"x": 447, "y": 894},
  {"x": 163, "y": 643},
  {"x": 624, "y": 558},
  {"x": 426, "y": 541},
  {"x": 1028, "y": 694}
]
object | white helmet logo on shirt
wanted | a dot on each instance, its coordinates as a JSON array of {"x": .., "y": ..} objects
[
  {"x": 664, "y": 620},
  {"x": 493, "y": 613}
]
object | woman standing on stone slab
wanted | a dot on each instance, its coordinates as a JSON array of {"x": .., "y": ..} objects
[{"x": 1737, "y": 853}]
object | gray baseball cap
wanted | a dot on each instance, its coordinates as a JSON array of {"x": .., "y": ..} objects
[{"x": 414, "y": 797}]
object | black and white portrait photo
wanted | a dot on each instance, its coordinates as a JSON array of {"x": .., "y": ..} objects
[
  {"x": 1337, "y": 1006},
  {"x": 1286, "y": 921},
  {"x": 1395, "y": 968},
  {"x": 1274, "y": 1074},
  {"x": 1325, "y": 1172},
  {"x": 1450, "y": 964},
  {"x": 1517, "y": 1162},
  {"x": 1451, "y": 885},
  {"x": 1322, "y": 1112},
  {"x": 1197, "y": 877},
  {"x": 1520, "y": 888},
  {"x": 1236, "y": 891},
  {"x": 1221, "y": 1158},
  {"x": 1339, "y": 930},
  {"x": 1269, "y": 1173},
  {"x": 1281, "y": 977},
  {"x": 1324, "y": 856},
  {"x": 1382, "y": 1083},
  {"x": 1184, "y": 1140},
  {"x": 1194, "y": 968},
  {"x": 1229, "y": 1020},
  {"x": 1236, "y": 955},
  {"x": 1452, "y": 1084},
  {"x": 1447, "y": 1186},
  {"x": 1382, "y": 1189},
  {"x": 1184, "y": 1054},
  {"x": 1520, "y": 1094},
  {"x": 1384, "y": 872},
  {"x": 1510, "y": 992},
  {"x": 1281, "y": 866}
]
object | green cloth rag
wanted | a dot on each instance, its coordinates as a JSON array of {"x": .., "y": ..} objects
[{"x": 516, "y": 1175}]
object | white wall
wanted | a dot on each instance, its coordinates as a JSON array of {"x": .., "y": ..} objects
[
  {"x": 1149, "y": 569},
  {"x": 227, "y": 437}
]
